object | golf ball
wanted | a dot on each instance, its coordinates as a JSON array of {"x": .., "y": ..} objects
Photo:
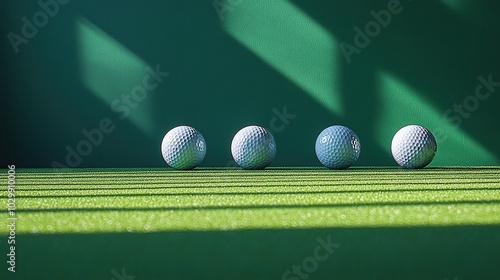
[
  {"x": 413, "y": 146},
  {"x": 337, "y": 147},
  {"x": 253, "y": 147},
  {"x": 183, "y": 147}
]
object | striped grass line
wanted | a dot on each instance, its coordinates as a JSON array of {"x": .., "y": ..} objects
[
  {"x": 254, "y": 174},
  {"x": 250, "y": 190},
  {"x": 269, "y": 180},
  {"x": 218, "y": 171},
  {"x": 311, "y": 184}
]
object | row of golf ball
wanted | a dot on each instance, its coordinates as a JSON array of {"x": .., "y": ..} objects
[{"x": 337, "y": 147}]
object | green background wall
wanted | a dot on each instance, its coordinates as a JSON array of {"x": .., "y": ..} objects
[{"x": 239, "y": 63}]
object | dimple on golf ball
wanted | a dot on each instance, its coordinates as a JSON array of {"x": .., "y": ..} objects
[
  {"x": 183, "y": 147},
  {"x": 337, "y": 147},
  {"x": 253, "y": 147},
  {"x": 413, "y": 146}
]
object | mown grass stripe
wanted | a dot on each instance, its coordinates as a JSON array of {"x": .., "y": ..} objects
[
  {"x": 256, "y": 174},
  {"x": 277, "y": 172},
  {"x": 135, "y": 221},
  {"x": 215, "y": 200},
  {"x": 251, "y": 189}
]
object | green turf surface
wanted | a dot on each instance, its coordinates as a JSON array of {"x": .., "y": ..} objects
[{"x": 389, "y": 223}]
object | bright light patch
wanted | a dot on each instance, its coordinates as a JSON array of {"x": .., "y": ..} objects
[
  {"x": 292, "y": 43},
  {"x": 110, "y": 71},
  {"x": 475, "y": 12},
  {"x": 401, "y": 106},
  {"x": 461, "y": 7}
]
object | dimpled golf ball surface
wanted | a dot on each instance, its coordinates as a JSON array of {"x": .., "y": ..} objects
[
  {"x": 183, "y": 147},
  {"x": 337, "y": 147},
  {"x": 413, "y": 146},
  {"x": 253, "y": 147}
]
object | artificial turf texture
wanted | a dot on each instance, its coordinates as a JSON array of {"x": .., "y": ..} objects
[{"x": 389, "y": 223}]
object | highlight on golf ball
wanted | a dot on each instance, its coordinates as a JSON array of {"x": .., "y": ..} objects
[
  {"x": 413, "y": 146},
  {"x": 253, "y": 147},
  {"x": 183, "y": 147},
  {"x": 337, "y": 147}
]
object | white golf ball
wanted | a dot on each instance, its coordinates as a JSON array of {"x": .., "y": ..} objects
[
  {"x": 183, "y": 147},
  {"x": 337, "y": 147},
  {"x": 253, "y": 147},
  {"x": 413, "y": 146}
]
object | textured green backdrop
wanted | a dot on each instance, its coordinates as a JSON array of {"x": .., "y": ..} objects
[{"x": 236, "y": 63}]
